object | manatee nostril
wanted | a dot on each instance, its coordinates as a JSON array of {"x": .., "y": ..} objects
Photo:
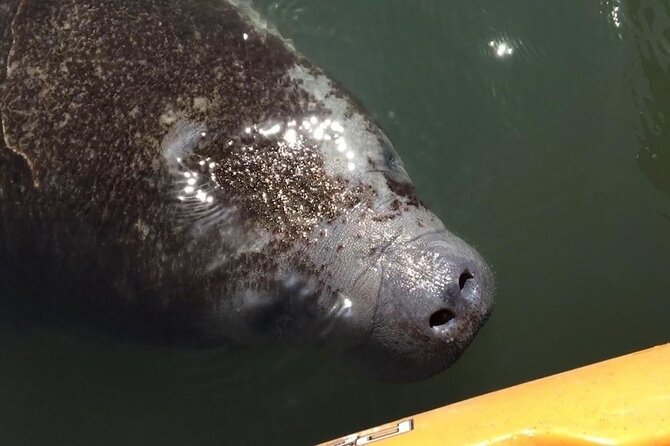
[
  {"x": 441, "y": 317},
  {"x": 463, "y": 279}
]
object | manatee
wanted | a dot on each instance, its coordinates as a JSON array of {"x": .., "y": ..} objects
[{"x": 176, "y": 171}]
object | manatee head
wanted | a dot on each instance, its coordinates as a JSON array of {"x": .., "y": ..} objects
[
  {"x": 316, "y": 233},
  {"x": 328, "y": 240}
]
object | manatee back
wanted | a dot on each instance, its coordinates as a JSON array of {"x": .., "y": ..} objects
[{"x": 92, "y": 88}]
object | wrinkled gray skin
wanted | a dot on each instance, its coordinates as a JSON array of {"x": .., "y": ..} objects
[{"x": 172, "y": 170}]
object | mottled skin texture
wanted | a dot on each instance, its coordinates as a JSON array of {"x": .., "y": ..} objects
[
  {"x": 93, "y": 91},
  {"x": 93, "y": 149}
]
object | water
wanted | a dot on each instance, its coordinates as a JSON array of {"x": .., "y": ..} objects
[{"x": 539, "y": 131}]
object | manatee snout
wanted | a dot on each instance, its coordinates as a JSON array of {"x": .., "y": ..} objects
[{"x": 435, "y": 294}]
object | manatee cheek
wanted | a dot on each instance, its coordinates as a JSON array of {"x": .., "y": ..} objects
[
  {"x": 268, "y": 316},
  {"x": 285, "y": 311},
  {"x": 297, "y": 311}
]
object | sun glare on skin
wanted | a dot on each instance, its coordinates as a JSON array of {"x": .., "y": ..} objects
[{"x": 198, "y": 185}]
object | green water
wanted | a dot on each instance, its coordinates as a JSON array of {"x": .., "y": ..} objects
[{"x": 554, "y": 161}]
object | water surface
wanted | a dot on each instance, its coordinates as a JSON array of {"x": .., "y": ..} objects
[{"x": 539, "y": 131}]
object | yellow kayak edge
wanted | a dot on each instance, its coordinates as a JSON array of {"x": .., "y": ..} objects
[{"x": 621, "y": 401}]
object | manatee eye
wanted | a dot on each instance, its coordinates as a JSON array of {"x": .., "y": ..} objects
[{"x": 390, "y": 156}]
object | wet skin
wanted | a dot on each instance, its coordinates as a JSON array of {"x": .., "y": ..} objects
[{"x": 179, "y": 173}]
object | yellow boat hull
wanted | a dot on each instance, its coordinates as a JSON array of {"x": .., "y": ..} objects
[{"x": 622, "y": 401}]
